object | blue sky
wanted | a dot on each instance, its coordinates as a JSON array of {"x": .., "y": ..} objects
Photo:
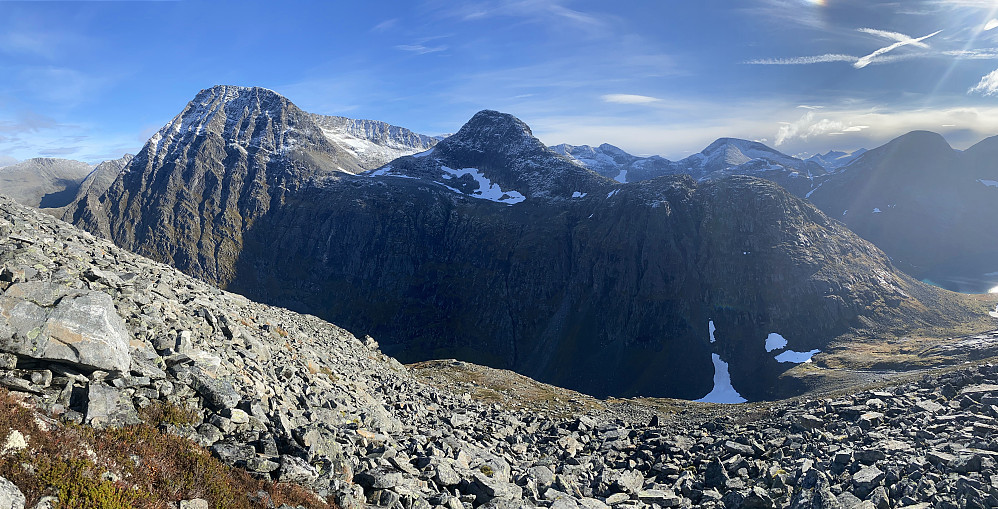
[{"x": 92, "y": 80}]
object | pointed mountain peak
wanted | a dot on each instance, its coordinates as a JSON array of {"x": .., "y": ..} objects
[
  {"x": 613, "y": 150},
  {"x": 248, "y": 116},
  {"x": 491, "y": 131}
]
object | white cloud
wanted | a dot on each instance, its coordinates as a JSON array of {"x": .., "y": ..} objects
[
  {"x": 877, "y": 57},
  {"x": 817, "y": 59},
  {"x": 855, "y": 128},
  {"x": 896, "y": 36},
  {"x": 420, "y": 49},
  {"x": 629, "y": 99},
  {"x": 974, "y": 54},
  {"x": 806, "y": 127},
  {"x": 866, "y": 60},
  {"x": 988, "y": 84},
  {"x": 990, "y": 25}
]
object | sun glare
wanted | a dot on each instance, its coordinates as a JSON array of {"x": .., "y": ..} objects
[{"x": 819, "y": 3}]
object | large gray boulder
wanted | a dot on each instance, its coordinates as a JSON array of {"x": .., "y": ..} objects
[{"x": 51, "y": 322}]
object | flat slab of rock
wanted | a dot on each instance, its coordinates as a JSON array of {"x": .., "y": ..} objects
[{"x": 52, "y": 322}]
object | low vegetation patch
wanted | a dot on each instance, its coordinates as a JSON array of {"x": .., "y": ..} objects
[{"x": 131, "y": 467}]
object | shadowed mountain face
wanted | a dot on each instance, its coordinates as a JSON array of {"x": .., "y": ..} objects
[
  {"x": 495, "y": 249},
  {"x": 43, "y": 182},
  {"x": 931, "y": 208}
]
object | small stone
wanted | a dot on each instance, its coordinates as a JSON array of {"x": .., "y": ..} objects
[
  {"x": 870, "y": 420},
  {"x": 237, "y": 416},
  {"x": 262, "y": 465},
  {"x": 197, "y": 503}
]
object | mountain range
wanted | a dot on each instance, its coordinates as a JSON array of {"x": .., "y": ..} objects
[{"x": 490, "y": 247}]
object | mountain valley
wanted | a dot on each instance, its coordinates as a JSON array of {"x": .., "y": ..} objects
[{"x": 492, "y": 248}]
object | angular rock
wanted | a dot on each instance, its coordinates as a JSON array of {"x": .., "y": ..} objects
[
  {"x": 50, "y": 322},
  {"x": 109, "y": 407},
  {"x": 866, "y": 480},
  {"x": 487, "y": 489},
  {"x": 217, "y": 392},
  {"x": 296, "y": 470}
]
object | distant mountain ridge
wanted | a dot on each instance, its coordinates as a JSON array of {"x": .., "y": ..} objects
[
  {"x": 493, "y": 248},
  {"x": 43, "y": 182},
  {"x": 725, "y": 156}
]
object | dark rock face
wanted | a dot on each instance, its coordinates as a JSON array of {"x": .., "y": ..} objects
[{"x": 494, "y": 249}]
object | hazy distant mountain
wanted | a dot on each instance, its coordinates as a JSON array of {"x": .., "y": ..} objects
[
  {"x": 726, "y": 156},
  {"x": 835, "y": 159},
  {"x": 928, "y": 206},
  {"x": 492, "y": 248},
  {"x": 43, "y": 182}
]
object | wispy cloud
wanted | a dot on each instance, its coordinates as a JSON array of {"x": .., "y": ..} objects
[
  {"x": 866, "y": 60},
  {"x": 816, "y": 59},
  {"x": 877, "y": 57},
  {"x": 385, "y": 25},
  {"x": 896, "y": 36},
  {"x": 552, "y": 13},
  {"x": 973, "y": 54},
  {"x": 421, "y": 49},
  {"x": 629, "y": 99},
  {"x": 991, "y": 24},
  {"x": 987, "y": 86}
]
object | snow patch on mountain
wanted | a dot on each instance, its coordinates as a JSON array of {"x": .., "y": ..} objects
[
  {"x": 775, "y": 342},
  {"x": 797, "y": 357},
  {"x": 487, "y": 190}
]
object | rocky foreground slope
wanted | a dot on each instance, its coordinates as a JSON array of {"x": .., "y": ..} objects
[{"x": 92, "y": 333}]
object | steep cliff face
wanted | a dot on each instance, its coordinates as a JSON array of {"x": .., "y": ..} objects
[
  {"x": 609, "y": 296},
  {"x": 492, "y": 248}
]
